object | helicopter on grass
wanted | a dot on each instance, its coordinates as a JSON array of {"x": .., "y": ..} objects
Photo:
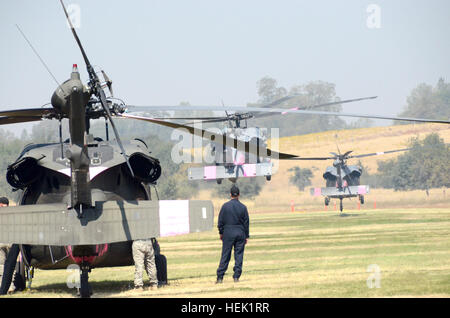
[{"x": 84, "y": 200}]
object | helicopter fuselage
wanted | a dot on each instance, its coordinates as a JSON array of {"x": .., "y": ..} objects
[
  {"x": 42, "y": 174},
  {"x": 232, "y": 163}
]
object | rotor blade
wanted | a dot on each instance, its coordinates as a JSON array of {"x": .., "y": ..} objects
[
  {"x": 340, "y": 102},
  {"x": 248, "y": 115},
  {"x": 19, "y": 119},
  {"x": 86, "y": 60},
  {"x": 102, "y": 97},
  {"x": 313, "y": 158},
  {"x": 347, "y": 153},
  {"x": 28, "y": 112},
  {"x": 108, "y": 83},
  {"x": 221, "y": 118},
  {"x": 378, "y": 153},
  {"x": 260, "y": 115},
  {"x": 218, "y": 138},
  {"x": 337, "y": 146},
  {"x": 98, "y": 90},
  {"x": 282, "y": 111},
  {"x": 203, "y": 119},
  {"x": 279, "y": 101},
  {"x": 217, "y": 120},
  {"x": 349, "y": 157}
]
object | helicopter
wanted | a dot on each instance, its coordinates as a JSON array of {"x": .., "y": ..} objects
[
  {"x": 231, "y": 163},
  {"x": 342, "y": 180},
  {"x": 84, "y": 200}
]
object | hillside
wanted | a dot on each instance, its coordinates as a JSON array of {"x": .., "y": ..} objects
[{"x": 278, "y": 193}]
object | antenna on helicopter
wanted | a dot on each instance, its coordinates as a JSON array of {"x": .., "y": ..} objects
[{"x": 39, "y": 57}]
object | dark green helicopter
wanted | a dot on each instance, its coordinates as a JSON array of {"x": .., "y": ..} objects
[
  {"x": 343, "y": 180},
  {"x": 231, "y": 163},
  {"x": 83, "y": 201}
]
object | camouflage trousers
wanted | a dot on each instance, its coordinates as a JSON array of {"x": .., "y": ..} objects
[
  {"x": 4, "y": 249},
  {"x": 144, "y": 258}
]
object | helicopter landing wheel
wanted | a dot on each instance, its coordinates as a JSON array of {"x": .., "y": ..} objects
[
  {"x": 341, "y": 206},
  {"x": 268, "y": 178},
  {"x": 361, "y": 199},
  {"x": 219, "y": 181},
  {"x": 327, "y": 201}
]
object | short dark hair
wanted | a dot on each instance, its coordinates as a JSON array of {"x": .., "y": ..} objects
[
  {"x": 4, "y": 200},
  {"x": 234, "y": 191}
]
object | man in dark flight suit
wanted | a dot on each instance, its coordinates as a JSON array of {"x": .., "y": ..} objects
[{"x": 233, "y": 225}]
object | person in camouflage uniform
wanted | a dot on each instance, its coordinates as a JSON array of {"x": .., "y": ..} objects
[
  {"x": 144, "y": 257},
  {"x": 4, "y": 248}
]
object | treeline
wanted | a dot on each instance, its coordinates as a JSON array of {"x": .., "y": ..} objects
[
  {"x": 426, "y": 101},
  {"x": 425, "y": 166},
  {"x": 310, "y": 94}
]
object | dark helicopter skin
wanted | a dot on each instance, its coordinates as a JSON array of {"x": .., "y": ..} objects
[
  {"x": 86, "y": 200},
  {"x": 231, "y": 163},
  {"x": 96, "y": 188},
  {"x": 342, "y": 180},
  {"x": 46, "y": 178}
]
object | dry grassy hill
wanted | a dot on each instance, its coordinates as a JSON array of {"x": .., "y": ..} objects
[{"x": 278, "y": 194}]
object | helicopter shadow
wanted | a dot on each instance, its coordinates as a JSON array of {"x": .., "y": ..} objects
[
  {"x": 343, "y": 215},
  {"x": 99, "y": 287}
]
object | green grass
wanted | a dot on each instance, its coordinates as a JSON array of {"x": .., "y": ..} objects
[{"x": 311, "y": 254}]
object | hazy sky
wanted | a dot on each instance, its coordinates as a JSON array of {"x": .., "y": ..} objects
[{"x": 205, "y": 51}]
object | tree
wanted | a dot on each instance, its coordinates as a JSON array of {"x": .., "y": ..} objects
[
  {"x": 268, "y": 90},
  {"x": 10, "y": 148},
  {"x": 312, "y": 93},
  {"x": 428, "y": 102},
  {"x": 248, "y": 187},
  {"x": 301, "y": 177},
  {"x": 425, "y": 166},
  {"x": 373, "y": 180}
]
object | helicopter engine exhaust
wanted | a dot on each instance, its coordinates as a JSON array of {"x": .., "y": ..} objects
[
  {"x": 146, "y": 169},
  {"x": 23, "y": 172}
]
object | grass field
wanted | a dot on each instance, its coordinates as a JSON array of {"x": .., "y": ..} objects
[{"x": 297, "y": 254}]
